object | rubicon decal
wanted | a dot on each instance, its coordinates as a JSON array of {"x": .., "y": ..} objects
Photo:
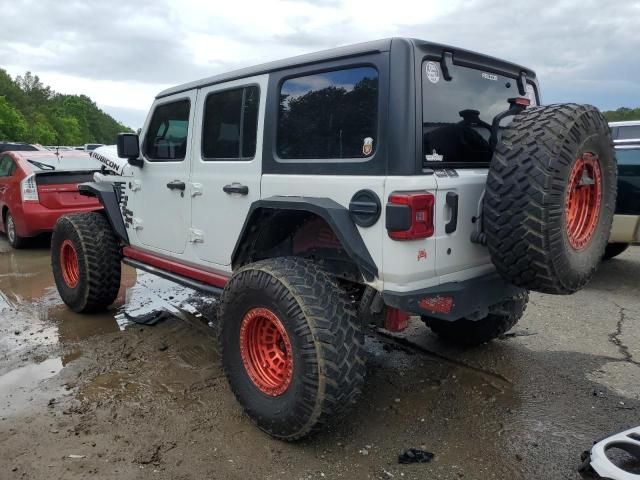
[{"x": 108, "y": 157}]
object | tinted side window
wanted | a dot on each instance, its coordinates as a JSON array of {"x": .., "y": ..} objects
[
  {"x": 329, "y": 115},
  {"x": 630, "y": 132},
  {"x": 230, "y": 124},
  {"x": 166, "y": 138},
  {"x": 7, "y": 167}
]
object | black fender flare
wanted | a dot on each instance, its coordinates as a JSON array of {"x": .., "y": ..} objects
[
  {"x": 336, "y": 216},
  {"x": 106, "y": 194}
]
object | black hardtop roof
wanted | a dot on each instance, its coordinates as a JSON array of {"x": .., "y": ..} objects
[{"x": 375, "y": 46}]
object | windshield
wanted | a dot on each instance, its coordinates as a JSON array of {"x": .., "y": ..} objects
[
  {"x": 64, "y": 163},
  {"x": 628, "y": 156},
  {"x": 457, "y": 114}
]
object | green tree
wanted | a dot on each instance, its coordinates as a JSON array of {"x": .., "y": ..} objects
[
  {"x": 622, "y": 113},
  {"x": 41, "y": 131},
  {"x": 13, "y": 126},
  {"x": 47, "y": 117}
]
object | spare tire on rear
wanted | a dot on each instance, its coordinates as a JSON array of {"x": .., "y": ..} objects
[{"x": 550, "y": 197}]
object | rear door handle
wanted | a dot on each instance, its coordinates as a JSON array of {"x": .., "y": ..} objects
[
  {"x": 452, "y": 202},
  {"x": 176, "y": 185},
  {"x": 236, "y": 188}
]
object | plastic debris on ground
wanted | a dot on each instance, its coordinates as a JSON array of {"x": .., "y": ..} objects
[
  {"x": 415, "y": 455},
  {"x": 596, "y": 463}
]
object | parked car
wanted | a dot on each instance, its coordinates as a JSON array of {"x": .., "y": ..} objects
[
  {"x": 90, "y": 147},
  {"x": 626, "y": 222},
  {"x": 627, "y": 132},
  {"x": 37, "y": 187},
  {"x": 19, "y": 146},
  {"x": 395, "y": 177}
]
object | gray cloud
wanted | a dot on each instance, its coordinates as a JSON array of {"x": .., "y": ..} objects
[{"x": 583, "y": 50}]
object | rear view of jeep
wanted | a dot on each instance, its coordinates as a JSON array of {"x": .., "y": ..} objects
[{"x": 328, "y": 192}]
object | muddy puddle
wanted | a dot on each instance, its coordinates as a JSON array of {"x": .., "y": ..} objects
[{"x": 107, "y": 396}]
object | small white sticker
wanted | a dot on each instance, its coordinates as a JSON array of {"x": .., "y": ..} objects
[
  {"x": 367, "y": 146},
  {"x": 434, "y": 157},
  {"x": 433, "y": 72},
  {"x": 489, "y": 76}
]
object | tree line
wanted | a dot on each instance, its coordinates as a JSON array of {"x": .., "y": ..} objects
[
  {"x": 32, "y": 112},
  {"x": 623, "y": 113}
]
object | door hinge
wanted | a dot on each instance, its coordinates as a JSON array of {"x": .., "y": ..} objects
[
  {"x": 136, "y": 223},
  {"x": 135, "y": 185},
  {"x": 196, "y": 189},
  {"x": 196, "y": 236}
]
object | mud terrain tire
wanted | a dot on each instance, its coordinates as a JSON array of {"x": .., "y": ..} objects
[
  {"x": 550, "y": 197},
  {"x": 614, "y": 249},
  {"x": 312, "y": 322},
  {"x": 85, "y": 260},
  {"x": 469, "y": 333}
]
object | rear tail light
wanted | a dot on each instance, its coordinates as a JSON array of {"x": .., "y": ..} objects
[
  {"x": 409, "y": 215},
  {"x": 29, "y": 189},
  {"x": 521, "y": 101}
]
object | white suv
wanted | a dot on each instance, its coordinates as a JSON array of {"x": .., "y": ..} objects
[{"x": 328, "y": 191}]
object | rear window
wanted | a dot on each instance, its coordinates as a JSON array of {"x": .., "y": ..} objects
[
  {"x": 457, "y": 114},
  {"x": 63, "y": 163},
  {"x": 628, "y": 132},
  {"x": 628, "y": 156},
  {"x": 329, "y": 115}
]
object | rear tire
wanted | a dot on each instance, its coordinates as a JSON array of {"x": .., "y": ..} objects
[
  {"x": 15, "y": 240},
  {"x": 550, "y": 197},
  {"x": 614, "y": 249},
  {"x": 469, "y": 333},
  {"x": 316, "y": 368},
  {"x": 85, "y": 259}
]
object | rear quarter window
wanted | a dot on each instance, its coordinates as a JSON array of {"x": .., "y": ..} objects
[{"x": 329, "y": 115}]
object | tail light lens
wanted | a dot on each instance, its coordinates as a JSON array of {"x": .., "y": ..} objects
[
  {"x": 29, "y": 189},
  {"x": 409, "y": 215}
]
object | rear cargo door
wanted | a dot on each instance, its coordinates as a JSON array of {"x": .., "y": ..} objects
[
  {"x": 458, "y": 109},
  {"x": 456, "y": 218}
]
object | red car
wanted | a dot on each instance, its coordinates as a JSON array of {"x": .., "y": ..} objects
[{"x": 37, "y": 187}]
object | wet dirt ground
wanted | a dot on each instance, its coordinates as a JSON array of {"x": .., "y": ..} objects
[{"x": 102, "y": 397}]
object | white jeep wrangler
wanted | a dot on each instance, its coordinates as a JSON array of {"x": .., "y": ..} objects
[{"x": 328, "y": 191}]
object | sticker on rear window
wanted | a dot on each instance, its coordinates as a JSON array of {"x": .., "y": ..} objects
[
  {"x": 434, "y": 157},
  {"x": 432, "y": 71},
  {"x": 489, "y": 76}
]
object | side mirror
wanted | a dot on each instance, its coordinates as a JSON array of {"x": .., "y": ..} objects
[{"x": 129, "y": 148}]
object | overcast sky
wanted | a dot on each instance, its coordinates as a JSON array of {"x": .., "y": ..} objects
[{"x": 122, "y": 53}]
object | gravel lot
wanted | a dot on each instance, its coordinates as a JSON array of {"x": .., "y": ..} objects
[{"x": 80, "y": 397}]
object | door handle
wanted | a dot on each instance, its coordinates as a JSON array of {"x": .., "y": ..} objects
[
  {"x": 452, "y": 201},
  {"x": 176, "y": 185},
  {"x": 236, "y": 188}
]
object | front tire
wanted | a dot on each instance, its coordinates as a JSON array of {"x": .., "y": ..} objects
[
  {"x": 469, "y": 333},
  {"x": 15, "y": 240},
  {"x": 291, "y": 346},
  {"x": 85, "y": 259}
]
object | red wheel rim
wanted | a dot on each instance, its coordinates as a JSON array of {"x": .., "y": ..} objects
[
  {"x": 69, "y": 264},
  {"x": 584, "y": 196},
  {"x": 266, "y": 351}
]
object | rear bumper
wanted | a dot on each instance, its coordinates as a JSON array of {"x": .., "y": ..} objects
[
  {"x": 454, "y": 300},
  {"x": 32, "y": 219},
  {"x": 625, "y": 229}
]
